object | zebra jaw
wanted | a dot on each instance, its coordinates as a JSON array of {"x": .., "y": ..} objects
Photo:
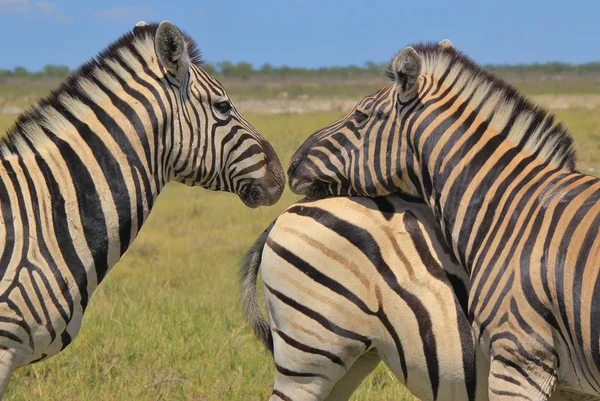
[
  {"x": 311, "y": 189},
  {"x": 303, "y": 182}
]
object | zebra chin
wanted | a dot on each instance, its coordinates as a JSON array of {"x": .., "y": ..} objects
[
  {"x": 302, "y": 182},
  {"x": 258, "y": 194}
]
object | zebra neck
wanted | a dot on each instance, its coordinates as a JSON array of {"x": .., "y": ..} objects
[
  {"x": 466, "y": 179},
  {"x": 75, "y": 204}
]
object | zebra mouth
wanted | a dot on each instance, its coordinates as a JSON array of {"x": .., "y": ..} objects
[
  {"x": 252, "y": 196},
  {"x": 303, "y": 182},
  {"x": 256, "y": 194},
  {"x": 310, "y": 189}
]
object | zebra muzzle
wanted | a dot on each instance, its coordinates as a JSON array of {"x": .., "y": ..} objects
[
  {"x": 303, "y": 182},
  {"x": 309, "y": 188},
  {"x": 261, "y": 194}
]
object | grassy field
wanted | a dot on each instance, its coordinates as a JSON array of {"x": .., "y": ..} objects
[
  {"x": 21, "y": 91},
  {"x": 166, "y": 325}
]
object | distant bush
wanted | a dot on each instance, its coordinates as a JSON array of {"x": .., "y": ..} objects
[
  {"x": 551, "y": 68},
  {"x": 52, "y": 70},
  {"x": 49, "y": 70},
  {"x": 246, "y": 70}
]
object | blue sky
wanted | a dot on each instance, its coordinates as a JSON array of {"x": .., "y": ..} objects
[{"x": 306, "y": 33}]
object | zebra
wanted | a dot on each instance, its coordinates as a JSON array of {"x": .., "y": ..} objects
[
  {"x": 327, "y": 335},
  {"x": 82, "y": 168},
  {"x": 499, "y": 174},
  {"x": 351, "y": 281}
]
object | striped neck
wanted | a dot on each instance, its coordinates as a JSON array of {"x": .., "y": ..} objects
[
  {"x": 460, "y": 155},
  {"x": 93, "y": 156}
]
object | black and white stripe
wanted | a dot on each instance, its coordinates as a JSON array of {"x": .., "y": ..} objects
[
  {"x": 352, "y": 281},
  {"x": 499, "y": 175},
  {"x": 81, "y": 170}
]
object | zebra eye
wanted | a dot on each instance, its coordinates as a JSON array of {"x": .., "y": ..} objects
[
  {"x": 359, "y": 116},
  {"x": 223, "y": 107}
]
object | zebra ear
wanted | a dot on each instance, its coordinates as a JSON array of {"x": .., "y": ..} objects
[
  {"x": 446, "y": 44},
  {"x": 171, "y": 48},
  {"x": 139, "y": 25},
  {"x": 407, "y": 68}
]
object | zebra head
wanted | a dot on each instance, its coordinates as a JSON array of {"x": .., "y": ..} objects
[
  {"x": 210, "y": 143},
  {"x": 365, "y": 152}
]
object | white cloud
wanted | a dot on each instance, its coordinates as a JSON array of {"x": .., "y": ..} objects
[
  {"x": 200, "y": 13},
  {"x": 36, "y": 9},
  {"x": 14, "y": 6},
  {"x": 124, "y": 13},
  {"x": 50, "y": 9},
  {"x": 47, "y": 6}
]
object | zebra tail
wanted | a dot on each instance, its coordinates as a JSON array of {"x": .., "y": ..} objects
[{"x": 248, "y": 295}]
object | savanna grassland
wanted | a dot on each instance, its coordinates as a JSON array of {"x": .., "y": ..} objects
[{"x": 165, "y": 324}]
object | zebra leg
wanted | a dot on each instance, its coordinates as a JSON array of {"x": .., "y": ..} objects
[
  {"x": 514, "y": 376},
  {"x": 332, "y": 383},
  {"x": 7, "y": 367},
  {"x": 363, "y": 366},
  {"x": 307, "y": 373},
  {"x": 5, "y": 375}
]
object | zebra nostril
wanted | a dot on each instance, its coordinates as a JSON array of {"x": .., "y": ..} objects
[{"x": 252, "y": 195}]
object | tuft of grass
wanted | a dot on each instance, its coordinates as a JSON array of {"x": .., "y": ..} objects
[{"x": 166, "y": 324}]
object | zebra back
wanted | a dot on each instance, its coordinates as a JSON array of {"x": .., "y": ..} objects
[{"x": 347, "y": 279}]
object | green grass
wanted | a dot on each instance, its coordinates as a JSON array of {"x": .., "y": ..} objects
[
  {"x": 20, "y": 92},
  {"x": 555, "y": 85},
  {"x": 5, "y": 122},
  {"x": 314, "y": 88},
  {"x": 165, "y": 324},
  {"x": 584, "y": 124}
]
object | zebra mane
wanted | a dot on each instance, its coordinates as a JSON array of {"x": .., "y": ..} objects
[
  {"x": 533, "y": 128},
  {"x": 29, "y": 125}
]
